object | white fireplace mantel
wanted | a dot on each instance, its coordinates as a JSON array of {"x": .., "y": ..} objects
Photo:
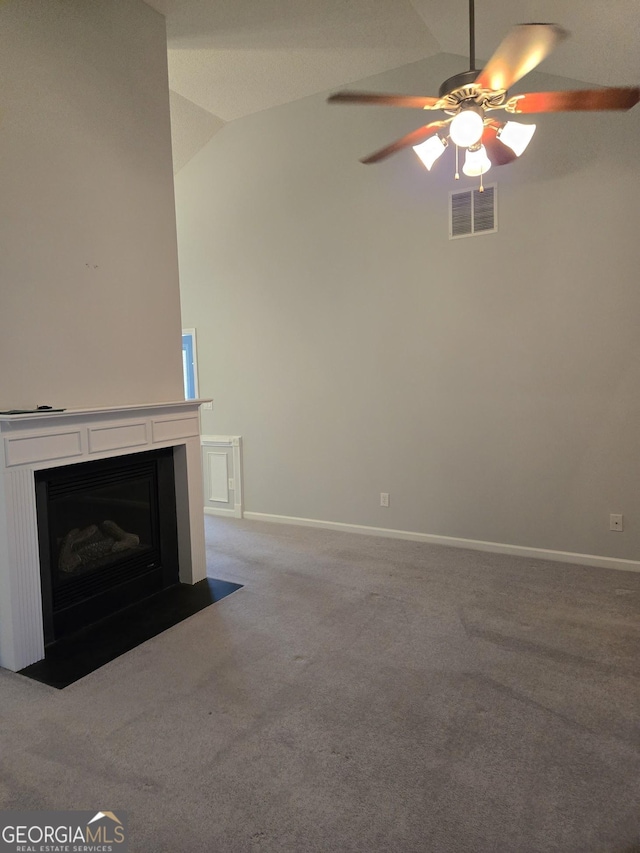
[{"x": 47, "y": 439}]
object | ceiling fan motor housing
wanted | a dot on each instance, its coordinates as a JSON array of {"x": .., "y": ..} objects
[{"x": 458, "y": 81}]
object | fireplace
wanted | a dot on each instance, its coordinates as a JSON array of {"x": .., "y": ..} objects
[
  {"x": 38, "y": 453},
  {"x": 107, "y": 537}
]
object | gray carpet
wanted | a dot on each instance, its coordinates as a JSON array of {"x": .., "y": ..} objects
[{"x": 359, "y": 694}]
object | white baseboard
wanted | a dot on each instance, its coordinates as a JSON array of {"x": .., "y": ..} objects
[
  {"x": 452, "y": 542},
  {"x": 228, "y": 512}
]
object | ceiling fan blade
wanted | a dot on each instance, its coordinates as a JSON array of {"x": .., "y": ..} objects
[
  {"x": 416, "y": 102},
  {"x": 523, "y": 48},
  {"x": 621, "y": 98},
  {"x": 413, "y": 138}
]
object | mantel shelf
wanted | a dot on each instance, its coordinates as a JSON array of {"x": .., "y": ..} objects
[{"x": 104, "y": 410}]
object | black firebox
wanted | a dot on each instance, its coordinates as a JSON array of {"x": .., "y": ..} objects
[{"x": 108, "y": 539}]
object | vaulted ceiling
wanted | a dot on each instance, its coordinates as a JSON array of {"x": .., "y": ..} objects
[{"x": 230, "y": 58}]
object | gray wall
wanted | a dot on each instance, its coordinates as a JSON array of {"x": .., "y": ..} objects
[
  {"x": 89, "y": 295},
  {"x": 490, "y": 385}
]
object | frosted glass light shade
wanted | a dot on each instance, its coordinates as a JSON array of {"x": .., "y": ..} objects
[
  {"x": 429, "y": 150},
  {"x": 466, "y": 128},
  {"x": 517, "y": 136},
  {"x": 476, "y": 162}
]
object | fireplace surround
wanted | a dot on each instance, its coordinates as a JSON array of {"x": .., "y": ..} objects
[{"x": 33, "y": 444}]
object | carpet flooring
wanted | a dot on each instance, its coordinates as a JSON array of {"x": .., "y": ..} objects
[{"x": 357, "y": 695}]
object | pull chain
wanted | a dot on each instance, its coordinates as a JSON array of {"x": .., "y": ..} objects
[{"x": 457, "y": 174}]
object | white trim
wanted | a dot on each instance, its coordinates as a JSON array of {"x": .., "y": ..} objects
[
  {"x": 235, "y": 442},
  {"x": 118, "y": 436},
  {"x": 44, "y": 418},
  {"x": 453, "y": 542},
  {"x": 235, "y": 512},
  {"x": 174, "y": 428},
  {"x": 218, "y": 463},
  {"x": 219, "y": 440}
]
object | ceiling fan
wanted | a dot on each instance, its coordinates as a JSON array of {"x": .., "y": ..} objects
[{"x": 472, "y": 97}]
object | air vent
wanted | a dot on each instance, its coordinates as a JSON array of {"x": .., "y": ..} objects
[{"x": 473, "y": 212}]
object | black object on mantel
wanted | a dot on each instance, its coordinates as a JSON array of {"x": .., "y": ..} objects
[{"x": 37, "y": 411}]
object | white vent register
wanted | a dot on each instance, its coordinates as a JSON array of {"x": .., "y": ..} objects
[{"x": 472, "y": 212}]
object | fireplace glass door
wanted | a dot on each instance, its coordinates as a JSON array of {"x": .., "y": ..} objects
[{"x": 108, "y": 537}]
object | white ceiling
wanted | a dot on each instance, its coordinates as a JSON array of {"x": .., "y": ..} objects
[{"x": 230, "y": 58}]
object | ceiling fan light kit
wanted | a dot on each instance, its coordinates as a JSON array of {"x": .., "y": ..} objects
[
  {"x": 470, "y": 97},
  {"x": 466, "y": 126},
  {"x": 476, "y": 162},
  {"x": 516, "y": 135},
  {"x": 429, "y": 150}
]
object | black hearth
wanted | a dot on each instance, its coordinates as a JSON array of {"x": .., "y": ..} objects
[{"x": 108, "y": 537}]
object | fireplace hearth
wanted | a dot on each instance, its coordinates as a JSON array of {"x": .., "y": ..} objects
[{"x": 107, "y": 537}]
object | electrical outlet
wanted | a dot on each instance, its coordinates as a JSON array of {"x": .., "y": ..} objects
[
  {"x": 615, "y": 522},
  {"x": 208, "y": 405},
  {"x": 384, "y": 498}
]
